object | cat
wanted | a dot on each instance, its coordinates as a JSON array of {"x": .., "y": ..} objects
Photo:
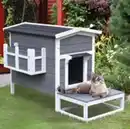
[
  {"x": 98, "y": 86},
  {"x": 95, "y": 87}
]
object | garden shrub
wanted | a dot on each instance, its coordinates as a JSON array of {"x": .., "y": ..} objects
[
  {"x": 81, "y": 15},
  {"x": 14, "y": 10},
  {"x": 104, "y": 52},
  {"x": 120, "y": 27}
]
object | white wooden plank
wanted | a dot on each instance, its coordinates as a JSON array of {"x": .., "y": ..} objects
[
  {"x": 16, "y": 55},
  {"x": 31, "y": 60},
  {"x": 5, "y": 55},
  {"x": 43, "y": 54}
]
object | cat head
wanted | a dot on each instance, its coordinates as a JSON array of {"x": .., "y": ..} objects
[{"x": 97, "y": 78}]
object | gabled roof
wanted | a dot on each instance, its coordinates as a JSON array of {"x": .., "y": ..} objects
[{"x": 54, "y": 31}]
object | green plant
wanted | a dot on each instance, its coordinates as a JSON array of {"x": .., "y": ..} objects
[
  {"x": 54, "y": 14},
  {"x": 104, "y": 52},
  {"x": 17, "y": 11},
  {"x": 79, "y": 15},
  {"x": 1, "y": 59},
  {"x": 9, "y": 12},
  {"x": 120, "y": 27},
  {"x": 76, "y": 14},
  {"x": 120, "y": 75}
]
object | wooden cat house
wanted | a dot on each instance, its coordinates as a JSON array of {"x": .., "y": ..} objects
[{"x": 43, "y": 57}]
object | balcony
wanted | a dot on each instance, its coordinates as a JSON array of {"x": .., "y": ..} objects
[{"x": 28, "y": 61}]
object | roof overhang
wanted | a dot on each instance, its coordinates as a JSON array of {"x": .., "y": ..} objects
[{"x": 75, "y": 30}]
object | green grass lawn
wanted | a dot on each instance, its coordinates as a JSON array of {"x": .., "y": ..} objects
[{"x": 29, "y": 109}]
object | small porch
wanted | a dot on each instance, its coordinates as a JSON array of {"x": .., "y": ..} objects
[{"x": 89, "y": 106}]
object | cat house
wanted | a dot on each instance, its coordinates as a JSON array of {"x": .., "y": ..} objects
[{"x": 43, "y": 57}]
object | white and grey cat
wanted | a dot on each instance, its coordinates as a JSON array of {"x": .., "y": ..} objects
[{"x": 95, "y": 87}]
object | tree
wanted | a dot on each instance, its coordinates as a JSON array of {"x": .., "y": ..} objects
[
  {"x": 120, "y": 27},
  {"x": 120, "y": 20}
]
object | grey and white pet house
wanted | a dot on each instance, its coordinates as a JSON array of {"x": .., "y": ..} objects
[{"x": 43, "y": 57}]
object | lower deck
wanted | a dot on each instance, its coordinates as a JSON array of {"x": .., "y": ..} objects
[
  {"x": 89, "y": 108},
  {"x": 88, "y": 98}
]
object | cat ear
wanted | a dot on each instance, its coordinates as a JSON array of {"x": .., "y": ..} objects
[
  {"x": 100, "y": 74},
  {"x": 93, "y": 75}
]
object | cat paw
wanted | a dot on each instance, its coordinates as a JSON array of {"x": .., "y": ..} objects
[{"x": 60, "y": 89}]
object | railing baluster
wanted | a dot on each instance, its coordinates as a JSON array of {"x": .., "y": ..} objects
[
  {"x": 16, "y": 55},
  {"x": 31, "y": 60},
  {"x": 43, "y": 62},
  {"x": 5, "y": 55}
]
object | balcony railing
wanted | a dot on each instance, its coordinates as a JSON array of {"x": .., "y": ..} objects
[{"x": 27, "y": 62}]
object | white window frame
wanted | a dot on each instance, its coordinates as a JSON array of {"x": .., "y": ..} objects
[{"x": 67, "y": 58}]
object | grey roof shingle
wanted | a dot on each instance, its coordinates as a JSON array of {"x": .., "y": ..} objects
[{"x": 42, "y": 30}]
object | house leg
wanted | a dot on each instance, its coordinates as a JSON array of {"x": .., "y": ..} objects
[
  {"x": 85, "y": 112},
  {"x": 12, "y": 87},
  {"x": 57, "y": 103},
  {"x": 122, "y": 102}
]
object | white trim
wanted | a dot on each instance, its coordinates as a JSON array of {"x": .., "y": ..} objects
[
  {"x": 10, "y": 39},
  {"x": 23, "y": 71},
  {"x": 105, "y": 114},
  {"x": 85, "y": 68},
  {"x": 16, "y": 55},
  {"x": 112, "y": 106},
  {"x": 85, "y": 111},
  {"x": 103, "y": 100},
  {"x": 72, "y": 115},
  {"x": 31, "y": 60},
  {"x": 5, "y": 59},
  {"x": 8, "y": 27},
  {"x": 66, "y": 73},
  {"x": 43, "y": 62},
  {"x": 30, "y": 57},
  {"x": 78, "y": 31},
  {"x": 87, "y": 104},
  {"x": 12, "y": 86},
  {"x": 10, "y": 53},
  {"x": 68, "y": 57},
  {"x": 69, "y": 27},
  {"x": 57, "y": 73},
  {"x": 62, "y": 34},
  {"x": 76, "y": 53},
  {"x": 21, "y": 56},
  {"x": 65, "y": 34},
  {"x": 93, "y": 54},
  {"x": 81, "y": 33},
  {"x": 39, "y": 57},
  {"x": 68, "y": 99},
  {"x": 70, "y": 107}
]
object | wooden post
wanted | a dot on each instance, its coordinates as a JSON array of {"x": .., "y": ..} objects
[
  {"x": 1, "y": 28},
  {"x": 59, "y": 12},
  {"x": 2, "y": 69}
]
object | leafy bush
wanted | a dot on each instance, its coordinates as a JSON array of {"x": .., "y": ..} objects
[
  {"x": 81, "y": 15},
  {"x": 76, "y": 14},
  {"x": 104, "y": 53},
  {"x": 1, "y": 59},
  {"x": 120, "y": 27},
  {"x": 17, "y": 11},
  {"x": 99, "y": 7},
  {"x": 120, "y": 74},
  {"x": 54, "y": 14}
]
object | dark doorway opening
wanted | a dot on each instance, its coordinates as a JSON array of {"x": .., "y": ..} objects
[{"x": 75, "y": 70}]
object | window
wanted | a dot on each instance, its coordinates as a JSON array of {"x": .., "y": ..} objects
[{"x": 75, "y": 70}]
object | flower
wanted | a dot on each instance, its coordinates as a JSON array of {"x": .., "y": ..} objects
[{"x": 115, "y": 46}]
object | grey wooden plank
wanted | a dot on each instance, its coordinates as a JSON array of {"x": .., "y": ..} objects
[{"x": 87, "y": 98}]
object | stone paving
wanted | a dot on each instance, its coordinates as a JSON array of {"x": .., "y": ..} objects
[{"x": 4, "y": 79}]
